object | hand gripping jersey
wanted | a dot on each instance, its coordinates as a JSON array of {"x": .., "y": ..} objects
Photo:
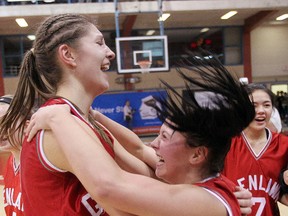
[
  {"x": 49, "y": 191},
  {"x": 258, "y": 172},
  {"x": 13, "y": 204},
  {"x": 222, "y": 188}
]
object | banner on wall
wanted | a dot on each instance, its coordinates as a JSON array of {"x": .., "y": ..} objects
[{"x": 144, "y": 118}]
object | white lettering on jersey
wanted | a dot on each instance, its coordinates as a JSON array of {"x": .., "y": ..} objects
[
  {"x": 8, "y": 194},
  {"x": 94, "y": 210},
  {"x": 255, "y": 182}
]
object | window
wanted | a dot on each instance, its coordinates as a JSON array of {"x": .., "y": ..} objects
[{"x": 14, "y": 48}]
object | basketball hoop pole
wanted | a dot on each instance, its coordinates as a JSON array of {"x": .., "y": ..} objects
[
  {"x": 118, "y": 12},
  {"x": 160, "y": 12}
]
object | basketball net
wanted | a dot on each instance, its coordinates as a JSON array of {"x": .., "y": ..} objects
[{"x": 145, "y": 66}]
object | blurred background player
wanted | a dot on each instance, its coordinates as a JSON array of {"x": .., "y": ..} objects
[
  {"x": 13, "y": 203},
  {"x": 257, "y": 155},
  {"x": 128, "y": 114}
]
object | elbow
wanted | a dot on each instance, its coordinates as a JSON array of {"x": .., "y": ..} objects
[{"x": 102, "y": 189}]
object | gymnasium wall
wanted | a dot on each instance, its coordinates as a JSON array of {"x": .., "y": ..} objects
[{"x": 269, "y": 50}]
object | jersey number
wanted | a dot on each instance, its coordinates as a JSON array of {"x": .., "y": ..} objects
[{"x": 262, "y": 202}]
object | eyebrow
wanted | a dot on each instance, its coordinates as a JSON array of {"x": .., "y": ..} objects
[
  {"x": 174, "y": 131},
  {"x": 267, "y": 101},
  {"x": 99, "y": 36}
]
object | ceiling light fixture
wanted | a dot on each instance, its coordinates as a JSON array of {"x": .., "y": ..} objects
[
  {"x": 150, "y": 32},
  {"x": 33, "y": 1},
  {"x": 21, "y": 22},
  {"x": 282, "y": 17},
  {"x": 229, "y": 14},
  {"x": 31, "y": 37},
  {"x": 204, "y": 30},
  {"x": 18, "y": 0},
  {"x": 164, "y": 17}
]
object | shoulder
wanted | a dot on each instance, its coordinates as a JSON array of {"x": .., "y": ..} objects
[
  {"x": 280, "y": 136},
  {"x": 222, "y": 189}
]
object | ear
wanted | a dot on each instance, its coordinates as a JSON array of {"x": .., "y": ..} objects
[
  {"x": 67, "y": 55},
  {"x": 198, "y": 155}
]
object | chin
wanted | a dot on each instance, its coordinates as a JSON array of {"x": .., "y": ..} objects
[
  {"x": 104, "y": 86},
  {"x": 158, "y": 174}
]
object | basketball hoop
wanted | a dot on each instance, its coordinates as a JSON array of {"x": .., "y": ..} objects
[{"x": 145, "y": 66}]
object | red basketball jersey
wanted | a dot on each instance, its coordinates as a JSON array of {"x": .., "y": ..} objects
[
  {"x": 222, "y": 188},
  {"x": 13, "y": 203},
  {"x": 49, "y": 191},
  {"x": 258, "y": 173}
]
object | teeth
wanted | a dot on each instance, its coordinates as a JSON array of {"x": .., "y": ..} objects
[
  {"x": 105, "y": 67},
  {"x": 259, "y": 119},
  {"x": 160, "y": 158}
]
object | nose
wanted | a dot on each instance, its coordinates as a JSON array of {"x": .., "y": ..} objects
[
  {"x": 155, "y": 143},
  {"x": 110, "y": 54},
  {"x": 260, "y": 109}
]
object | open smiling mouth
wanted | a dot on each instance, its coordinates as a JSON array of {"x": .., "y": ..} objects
[
  {"x": 105, "y": 67},
  {"x": 160, "y": 158},
  {"x": 260, "y": 119}
]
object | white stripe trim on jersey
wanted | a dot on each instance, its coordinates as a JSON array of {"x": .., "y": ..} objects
[
  {"x": 43, "y": 156},
  {"x": 41, "y": 150},
  {"x": 75, "y": 110},
  {"x": 256, "y": 156},
  {"x": 16, "y": 167},
  {"x": 222, "y": 200}
]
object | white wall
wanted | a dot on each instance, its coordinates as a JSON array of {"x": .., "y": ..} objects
[{"x": 269, "y": 51}]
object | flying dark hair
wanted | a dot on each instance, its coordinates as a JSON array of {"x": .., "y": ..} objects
[{"x": 225, "y": 111}]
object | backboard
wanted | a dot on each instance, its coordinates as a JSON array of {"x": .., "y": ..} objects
[{"x": 131, "y": 52}]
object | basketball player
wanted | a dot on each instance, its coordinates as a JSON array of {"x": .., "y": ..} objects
[
  {"x": 258, "y": 155},
  {"x": 191, "y": 149},
  {"x": 144, "y": 152},
  {"x": 13, "y": 203},
  {"x": 283, "y": 178},
  {"x": 65, "y": 66}
]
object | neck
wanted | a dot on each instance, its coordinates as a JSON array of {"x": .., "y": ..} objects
[
  {"x": 82, "y": 101},
  {"x": 256, "y": 140},
  {"x": 255, "y": 134},
  {"x": 196, "y": 174}
]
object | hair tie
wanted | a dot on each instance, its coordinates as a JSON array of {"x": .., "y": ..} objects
[{"x": 5, "y": 100}]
